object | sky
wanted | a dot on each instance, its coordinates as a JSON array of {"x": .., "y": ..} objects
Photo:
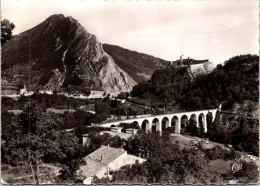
[{"x": 214, "y": 30}]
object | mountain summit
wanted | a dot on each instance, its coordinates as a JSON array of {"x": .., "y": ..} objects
[{"x": 58, "y": 53}]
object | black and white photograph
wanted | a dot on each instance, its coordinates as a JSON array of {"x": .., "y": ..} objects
[{"x": 129, "y": 92}]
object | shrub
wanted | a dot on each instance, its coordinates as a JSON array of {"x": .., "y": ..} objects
[{"x": 10, "y": 180}]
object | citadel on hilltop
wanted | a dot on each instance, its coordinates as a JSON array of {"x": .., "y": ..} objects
[{"x": 196, "y": 66}]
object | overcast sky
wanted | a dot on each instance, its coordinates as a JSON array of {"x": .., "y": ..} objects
[{"x": 213, "y": 30}]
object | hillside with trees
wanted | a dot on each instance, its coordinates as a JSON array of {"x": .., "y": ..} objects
[
  {"x": 233, "y": 82},
  {"x": 168, "y": 163}
]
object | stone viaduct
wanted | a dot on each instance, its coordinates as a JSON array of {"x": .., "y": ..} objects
[{"x": 164, "y": 121}]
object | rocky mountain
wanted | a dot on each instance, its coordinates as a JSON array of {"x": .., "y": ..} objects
[
  {"x": 138, "y": 65},
  {"x": 59, "y": 53}
]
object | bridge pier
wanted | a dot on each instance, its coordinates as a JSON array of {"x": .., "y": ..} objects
[
  {"x": 148, "y": 127},
  {"x": 177, "y": 126},
  {"x": 167, "y": 124},
  {"x": 204, "y": 124},
  {"x": 158, "y": 126}
]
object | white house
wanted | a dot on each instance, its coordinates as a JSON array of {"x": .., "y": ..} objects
[
  {"x": 100, "y": 162},
  {"x": 131, "y": 131}
]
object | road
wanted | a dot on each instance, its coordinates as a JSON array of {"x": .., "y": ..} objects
[{"x": 134, "y": 104}]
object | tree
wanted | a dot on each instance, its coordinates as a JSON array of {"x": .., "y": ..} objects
[
  {"x": 6, "y": 31},
  {"x": 249, "y": 171},
  {"x": 29, "y": 118},
  {"x": 192, "y": 128},
  {"x": 70, "y": 173},
  {"x": 123, "y": 95},
  {"x": 79, "y": 130},
  {"x": 38, "y": 141}
]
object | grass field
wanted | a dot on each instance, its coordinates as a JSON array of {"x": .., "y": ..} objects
[
  {"x": 220, "y": 166},
  {"x": 59, "y": 111},
  {"x": 23, "y": 175},
  {"x": 183, "y": 140},
  {"x": 204, "y": 145}
]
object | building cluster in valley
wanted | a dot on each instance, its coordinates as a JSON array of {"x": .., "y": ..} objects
[{"x": 25, "y": 92}]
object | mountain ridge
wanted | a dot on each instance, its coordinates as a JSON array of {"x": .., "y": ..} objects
[
  {"x": 59, "y": 52},
  {"x": 138, "y": 65}
]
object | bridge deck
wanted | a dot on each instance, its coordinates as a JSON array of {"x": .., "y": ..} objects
[{"x": 153, "y": 116}]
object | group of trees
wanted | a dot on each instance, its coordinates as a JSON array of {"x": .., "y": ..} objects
[
  {"x": 7, "y": 119},
  {"x": 33, "y": 139},
  {"x": 249, "y": 173},
  {"x": 166, "y": 163},
  {"x": 166, "y": 86},
  {"x": 45, "y": 101},
  {"x": 219, "y": 153},
  {"x": 243, "y": 138},
  {"x": 192, "y": 129}
]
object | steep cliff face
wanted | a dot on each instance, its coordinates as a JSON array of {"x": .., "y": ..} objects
[{"x": 59, "y": 53}]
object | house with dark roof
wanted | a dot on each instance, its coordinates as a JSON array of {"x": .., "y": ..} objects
[{"x": 105, "y": 159}]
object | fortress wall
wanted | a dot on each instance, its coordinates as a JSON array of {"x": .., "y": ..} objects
[{"x": 197, "y": 67}]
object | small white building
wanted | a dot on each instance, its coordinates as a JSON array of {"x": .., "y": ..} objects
[
  {"x": 48, "y": 92},
  {"x": 45, "y": 92},
  {"x": 92, "y": 112},
  {"x": 97, "y": 94},
  {"x": 23, "y": 90},
  {"x": 63, "y": 93},
  {"x": 131, "y": 131},
  {"x": 84, "y": 138},
  {"x": 28, "y": 93},
  {"x": 116, "y": 129}
]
